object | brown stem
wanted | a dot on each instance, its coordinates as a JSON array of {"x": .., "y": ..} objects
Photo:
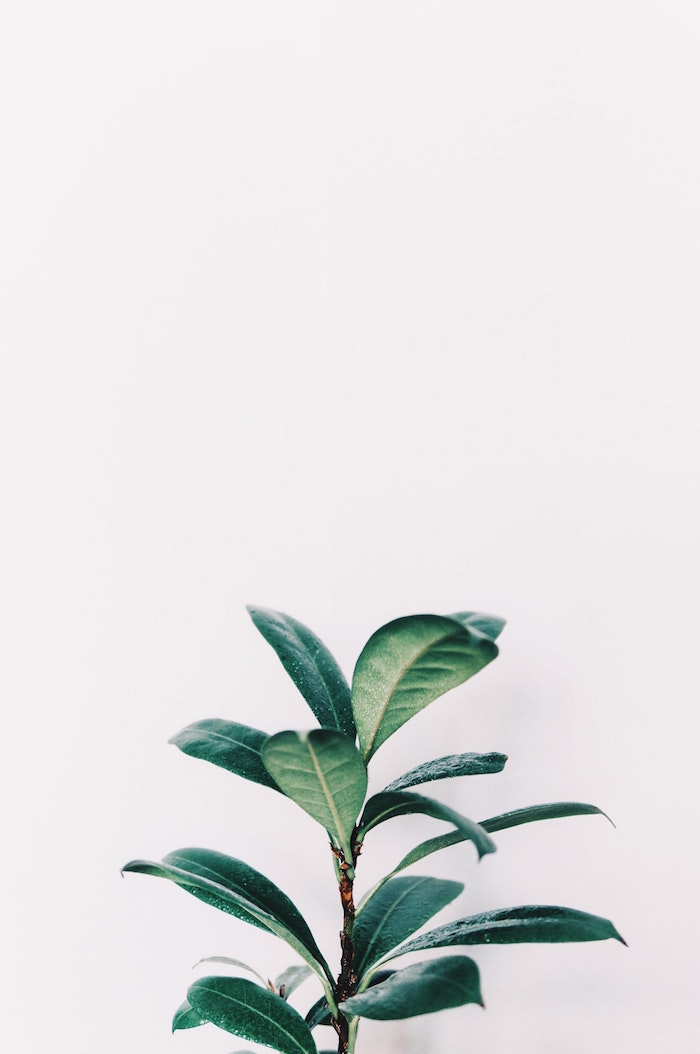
[{"x": 347, "y": 981}]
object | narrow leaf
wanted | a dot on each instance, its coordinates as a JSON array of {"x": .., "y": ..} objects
[
  {"x": 233, "y": 747},
  {"x": 420, "y": 989},
  {"x": 290, "y": 979},
  {"x": 319, "y": 1014},
  {"x": 408, "y": 663},
  {"x": 396, "y": 911},
  {"x": 186, "y": 1017},
  {"x": 448, "y": 767},
  {"x": 311, "y": 666},
  {"x": 387, "y": 804},
  {"x": 323, "y": 772},
  {"x": 550, "y": 811},
  {"x": 226, "y": 961},
  {"x": 528, "y": 924},
  {"x": 251, "y": 1012}
]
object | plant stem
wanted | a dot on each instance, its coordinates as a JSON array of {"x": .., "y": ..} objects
[{"x": 347, "y": 981}]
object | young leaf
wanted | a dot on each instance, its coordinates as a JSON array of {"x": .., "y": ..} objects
[
  {"x": 291, "y": 978},
  {"x": 226, "y": 744},
  {"x": 420, "y": 989},
  {"x": 186, "y": 1017},
  {"x": 311, "y": 666},
  {"x": 408, "y": 663},
  {"x": 550, "y": 811},
  {"x": 396, "y": 911},
  {"x": 387, "y": 804},
  {"x": 529, "y": 924},
  {"x": 226, "y": 961},
  {"x": 251, "y": 1012},
  {"x": 321, "y": 771},
  {"x": 448, "y": 767}
]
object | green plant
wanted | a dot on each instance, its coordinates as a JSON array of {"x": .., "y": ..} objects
[{"x": 403, "y": 667}]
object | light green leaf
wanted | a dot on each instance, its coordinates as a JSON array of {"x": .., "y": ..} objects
[
  {"x": 321, "y": 771},
  {"x": 448, "y": 767},
  {"x": 238, "y": 889},
  {"x": 420, "y": 989},
  {"x": 388, "y": 804},
  {"x": 396, "y": 911},
  {"x": 186, "y": 1017},
  {"x": 528, "y": 924},
  {"x": 408, "y": 663},
  {"x": 490, "y": 625},
  {"x": 233, "y": 747},
  {"x": 251, "y": 1012},
  {"x": 226, "y": 961},
  {"x": 550, "y": 811},
  {"x": 311, "y": 666},
  {"x": 291, "y": 978}
]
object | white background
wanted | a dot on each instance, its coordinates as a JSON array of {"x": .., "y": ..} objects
[{"x": 354, "y": 311}]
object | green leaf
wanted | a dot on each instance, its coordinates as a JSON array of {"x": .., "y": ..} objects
[
  {"x": 387, "y": 804},
  {"x": 291, "y": 978},
  {"x": 233, "y": 747},
  {"x": 319, "y": 1014},
  {"x": 550, "y": 811},
  {"x": 321, "y": 771},
  {"x": 408, "y": 663},
  {"x": 311, "y": 666},
  {"x": 226, "y": 961},
  {"x": 238, "y": 889},
  {"x": 448, "y": 767},
  {"x": 528, "y": 924},
  {"x": 251, "y": 1012},
  {"x": 186, "y": 1017},
  {"x": 490, "y": 625},
  {"x": 420, "y": 989},
  {"x": 396, "y": 911}
]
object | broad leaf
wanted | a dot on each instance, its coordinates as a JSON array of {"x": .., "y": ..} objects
[
  {"x": 323, "y": 772},
  {"x": 238, "y": 889},
  {"x": 226, "y": 744},
  {"x": 388, "y": 804},
  {"x": 290, "y": 979},
  {"x": 396, "y": 911},
  {"x": 311, "y": 666},
  {"x": 186, "y": 1017},
  {"x": 225, "y": 960},
  {"x": 251, "y": 1012},
  {"x": 448, "y": 767},
  {"x": 490, "y": 625},
  {"x": 420, "y": 989},
  {"x": 408, "y": 663},
  {"x": 550, "y": 811},
  {"x": 528, "y": 924}
]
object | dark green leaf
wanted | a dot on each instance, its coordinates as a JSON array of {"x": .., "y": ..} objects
[
  {"x": 311, "y": 666},
  {"x": 224, "y": 960},
  {"x": 550, "y": 811},
  {"x": 420, "y": 989},
  {"x": 186, "y": 1017},
  {"x": 530, "y": 923},
  {"x": 490, "y": 625},
  {"x": 251, "y": 1012},
  {"x": 396, "y": 911},
  {"x": 447, "y": 767},
  {"x": 319, "y": 1014},
  {"x": 226, "y": 744},
  {"x": 291, "y": 978},
  {"x": 323, "y": 772},
  {"x": 408, "y": 663},
  {"x": 387, "y": 804}
]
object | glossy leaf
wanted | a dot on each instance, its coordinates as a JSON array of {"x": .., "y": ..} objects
[
  {"x": 407, "y": 664},
  {"x": 233, "y": 747},
  {"x": 528, "y": 924},
  {"x": 290, "y": 979},
  {"x": 225, "y": 960},
  {"x": 531, "y": 813},
  {"x": 388, "y": 804},
  {"x": 396, "y": 911},
  {"x": 186, "y": 1017},
  {"x": 323, "y": 772},
  {"x": 237, "y": 889},
  {"x": 311, "y": 666},
  {"x": 420, "y": 989},
  {"x": 490, "y": 625},
  {"x": 448, "y": 767},
  {"x": 244, "y": 1009}
]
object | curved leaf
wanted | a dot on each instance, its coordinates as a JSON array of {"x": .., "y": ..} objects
[
  {"x": 233, "y": 747},
  {"x": 528, "y": 924},
  {"x": 238, "y": 889},
  {"x": 420, "y": 989},
  {"x": 225, "y": 960},
  {"x": 396, "y": 911},
  {"x": 321, "y": 771},
  {"x": 311, "y": 666},
  {"x": 290, "y": 979},
  {"x": 187, "y": 1017},
  {"x": 318, "y": 1014},
  {"x": 408, "y": 663},
  {"x": 387, "y": 804},
  {"x": 549, "y": 811},
  {"x": 490, "y": 625},
  {"x": 448, "y": 767},
  {"x": 251, "y": 1012}
]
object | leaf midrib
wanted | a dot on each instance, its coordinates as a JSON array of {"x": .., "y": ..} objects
[{"x": 254, "y": 1010}]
